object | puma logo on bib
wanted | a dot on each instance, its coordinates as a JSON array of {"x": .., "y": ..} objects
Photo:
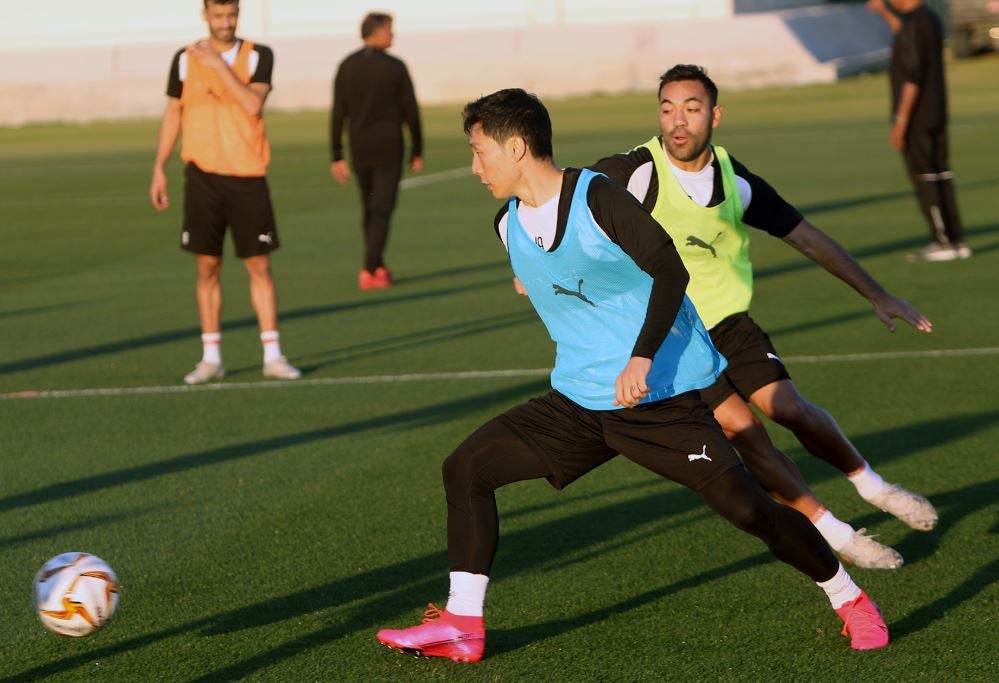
[
  {"x": 578, "y": 294},
  {"x": 694, "y": 241}
]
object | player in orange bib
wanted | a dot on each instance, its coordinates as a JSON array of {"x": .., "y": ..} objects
[{"x": 215, "y": 95}]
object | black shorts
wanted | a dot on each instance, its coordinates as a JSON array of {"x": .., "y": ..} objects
[
  {"x": 212, "y": 201},
  {"x": 752, "y": 359},
  {"x": 677, "y": 438}
]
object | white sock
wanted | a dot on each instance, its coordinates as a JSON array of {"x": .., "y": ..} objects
[
  {"x": 837, "y": 533},
  {"x": 840, "y": 589},
  {"x": 868, "y": 482},
  {"x": 211, "y": 348},
  {"x": 468, "y": 594},
  {"x": 272, "y": 347}
]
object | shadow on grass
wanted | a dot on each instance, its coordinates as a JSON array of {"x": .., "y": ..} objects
[
  {"x": 897, "y": 442},
  {"x": 374, "y": 300},
  {"x": 429, "y": 415},
  {"x": 8, "y": 542},
  {"x": 417, "y": 339},
  {"x": 35, "y": 310},
  {"x": 828, "y": 321},
  {"x": 509, "y": 640},
  {"x": 452, "y": 272},
  {"x": 853, "y": 202},
  {"x": 958, "y": 504},
  {"x": 867, "y": 200},
  {"x": 904, "y": 244},
  {"x": 28, "y": 277},
  {"x": 982, "y": 249}
]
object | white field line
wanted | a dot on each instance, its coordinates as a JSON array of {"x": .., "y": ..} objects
[
  {"x": 273, "y": 384},
  {"x": 894, "y": 355},
  {"x": 443, "y": 376},
  {"x": 430, "y": 178}
]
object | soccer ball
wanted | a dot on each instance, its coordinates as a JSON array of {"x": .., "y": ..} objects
[{"x": 75, "y": 594}]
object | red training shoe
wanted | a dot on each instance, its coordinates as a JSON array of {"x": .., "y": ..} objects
[
  {"x": 365, "y": 280},
  {"x": 383, "y": 277},
  {"x": 863, "y": 622},
  {"x": 442, "y": 634}
]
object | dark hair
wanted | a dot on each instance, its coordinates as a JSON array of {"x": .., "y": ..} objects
[
  {"x": 221, "y": 2},
  {"x": 374, "y": 21},
  {"x": 511, "y": 112},
  {"x": 690, "y": 72}
]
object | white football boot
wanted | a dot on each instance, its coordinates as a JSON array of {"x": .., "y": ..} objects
[
  {"x": 204, "y": 372},
  {"x": 863, "y": 551},
  {"x": 280, "y": 368},
  {"x": 911, "y": 508}
]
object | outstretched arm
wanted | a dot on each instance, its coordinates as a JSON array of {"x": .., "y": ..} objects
[{"x": 828, "y": 253}]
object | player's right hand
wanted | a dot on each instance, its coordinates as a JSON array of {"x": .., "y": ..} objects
[
  {"x": 340, "y": 171},
  {"x": 518, "y": 287},
  {"x": 631, "y": 386},
  {"x": 896, "y": 137},
  {"x": 205, "y": 52},
  {"x": 158, "y": 190}
]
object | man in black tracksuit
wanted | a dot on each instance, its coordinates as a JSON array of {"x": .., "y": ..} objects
[
  {"x": 373, "y": 91},
  {"x": 919, "y": 128}
]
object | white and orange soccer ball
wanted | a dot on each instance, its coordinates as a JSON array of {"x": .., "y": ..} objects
[{"x": 75, "y": 594}]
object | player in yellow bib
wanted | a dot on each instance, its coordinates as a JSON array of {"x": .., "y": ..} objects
[{"x": 707, "y": 201}]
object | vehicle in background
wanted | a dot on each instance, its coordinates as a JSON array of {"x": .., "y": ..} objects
[{"x": 974, "y": 26}]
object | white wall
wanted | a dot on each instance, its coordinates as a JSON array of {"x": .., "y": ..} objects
[
  {"x": 532, "y": 45},
  {"x": 26, "y": 24}
]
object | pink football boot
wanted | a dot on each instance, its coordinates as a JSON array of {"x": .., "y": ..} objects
[
  {"x": 442, "y": 634},
  {"x": 863, "y": 622}
]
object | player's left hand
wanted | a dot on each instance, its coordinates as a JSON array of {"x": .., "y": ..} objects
[
  {"x": 340, "y": 171},
  {"x": 416, "y": 165},
  {"x": 892, "y": 307},
  {"x": 630, "y": 387},
  {"x": 203, "y": 51}
]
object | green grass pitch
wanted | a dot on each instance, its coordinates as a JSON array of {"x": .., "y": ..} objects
[{"x": 265, "y": 533}]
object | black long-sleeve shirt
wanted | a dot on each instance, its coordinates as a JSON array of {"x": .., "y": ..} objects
[
  {"x": 373, "y": 91},
  {"x": 917, "y": 57}
]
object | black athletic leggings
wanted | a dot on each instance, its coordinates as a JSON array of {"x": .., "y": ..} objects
[
  {"x": 926, "y": 160},
  {"x": 379, "y": 187},
  {"x": 494, "y": 456}
]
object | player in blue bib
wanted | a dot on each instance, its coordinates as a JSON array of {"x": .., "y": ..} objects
[
  {"x": 631, "y": 353},
  {"x": 593, "y": 298}
]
